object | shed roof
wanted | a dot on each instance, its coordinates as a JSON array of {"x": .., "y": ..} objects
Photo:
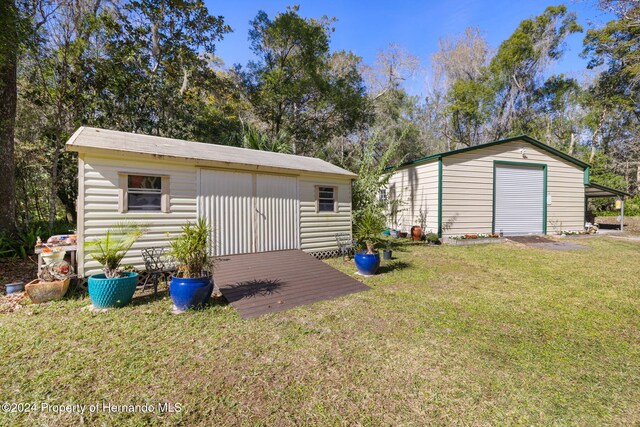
[
  {"x": 525, "y": 138},
  {"x": 597, "y": 190},
  {"x": 87, "y": 138}
]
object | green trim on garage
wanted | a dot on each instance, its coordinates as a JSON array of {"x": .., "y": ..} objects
[
  {"x": 587, "y": 178},
  {"x": 440, "y": 197},
  {"x": 544, "y": 190}
]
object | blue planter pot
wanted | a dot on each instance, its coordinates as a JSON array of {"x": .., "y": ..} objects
[
  {"x": 13, "y": 288},
  {"x": 367, "y": 264},
  {"x": 111, "y": 293},
  {"x": 188, "y": 293}
]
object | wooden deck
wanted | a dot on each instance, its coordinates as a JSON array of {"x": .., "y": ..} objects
[{"x": 266, "y": 282}]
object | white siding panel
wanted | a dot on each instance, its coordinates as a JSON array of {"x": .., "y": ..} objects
[
  {"x": 417, "y": 188},
  {"x": 277, "y": 213},
  {"x": 311, "y": 239},
  {"x": 98, "y": 201}
]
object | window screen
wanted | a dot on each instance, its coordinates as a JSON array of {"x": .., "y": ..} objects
[
  {"x": 144, "y": 193},
  {"x": 326, "y": 199}
]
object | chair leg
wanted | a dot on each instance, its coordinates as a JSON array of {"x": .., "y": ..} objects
[{"x": 155, "y": 285}]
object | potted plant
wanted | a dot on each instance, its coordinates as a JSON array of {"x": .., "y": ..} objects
[
  {"x": 417, "y": 231},
  {"x": 114, "y": 287},
  {"x": 368, "y": 228},
  {"x": 192, "y": 285},
  {"x": 387, "y": 252},
  {"x": 432, "y": 239}
]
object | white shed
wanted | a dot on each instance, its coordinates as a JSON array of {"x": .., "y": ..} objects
[{"x": 255, "y": 200}]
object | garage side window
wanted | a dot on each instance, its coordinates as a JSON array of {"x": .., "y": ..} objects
[
  {"x": 144, "y": 193},
  {"x": 326, "y": 199}
]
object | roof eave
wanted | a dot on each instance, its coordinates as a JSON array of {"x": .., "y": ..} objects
[
  {"x": 525, "y": 138},
  {"x": 69, "y": 146}
]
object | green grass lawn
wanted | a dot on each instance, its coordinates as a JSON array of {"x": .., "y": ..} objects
[{"x": 475, "y": 335}]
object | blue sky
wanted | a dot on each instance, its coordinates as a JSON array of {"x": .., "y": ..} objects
[{"x": 365, "y": 27}]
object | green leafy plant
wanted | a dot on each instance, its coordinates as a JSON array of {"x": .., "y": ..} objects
[
  {"x": 191, "y": 249},
  {"x": 369, "y": 227},
  {"x": 110, "y": 249},
  {"x": 433, "y": 238}
]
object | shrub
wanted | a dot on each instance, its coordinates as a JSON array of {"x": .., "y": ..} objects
[
  {"x": 433, "y": 238},
  {"x": 191, "y": 249},
  {"x": 112, "y": 248}
]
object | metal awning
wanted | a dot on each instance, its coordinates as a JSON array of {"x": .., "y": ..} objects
[{"x": 596, "y": 190}]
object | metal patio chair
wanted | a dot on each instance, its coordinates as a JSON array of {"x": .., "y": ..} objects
[
  {"x": 158, "y": 263},
  {"x": 346, "y": 244}
]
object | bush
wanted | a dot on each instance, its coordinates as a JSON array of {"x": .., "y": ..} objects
[
  {"x": 433, "y": 238},
  {"x": 24, "y": 242}
]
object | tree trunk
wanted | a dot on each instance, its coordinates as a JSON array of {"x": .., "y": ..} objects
[
  {"x": 8, "y": 99},
  {"x": 572, "y": 144},
  {"x": 54, "y": 187},
  {"x": 638, "y": 180}
]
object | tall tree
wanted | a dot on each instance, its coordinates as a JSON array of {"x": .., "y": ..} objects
[
  {"x": 9, "y": 31},
  {"x": 298, "y": 86}
]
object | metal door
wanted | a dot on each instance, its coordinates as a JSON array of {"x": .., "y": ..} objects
[{"x": 519, "y": 199}]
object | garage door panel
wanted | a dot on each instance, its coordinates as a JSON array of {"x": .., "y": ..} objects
[
  {"x": 226, "y": 202},
  {"x": 519, "y": 204},
  {"x": 277, "y": 213}
]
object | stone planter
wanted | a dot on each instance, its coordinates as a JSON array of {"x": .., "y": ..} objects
[
  {"x": 40, "y": 291},
  {"x": 465, "y": 242}
]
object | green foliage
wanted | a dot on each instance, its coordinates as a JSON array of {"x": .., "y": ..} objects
[
  {"x": 23, "y": 243},
  {"x": 254, "y": 139},
  {"x": 373, "y": 174},
  {"x": 299, "y": 86},
  {"x": 369, "y": 227},
  {"x": 110, "y": 249},
  {"x": 191, "y": 249},
  {"x": 432, "y": 238}
]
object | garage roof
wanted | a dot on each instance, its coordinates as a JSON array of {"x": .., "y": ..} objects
[
  {"x": 102, "y": 139},
  {"x": 525, "y": 138}
]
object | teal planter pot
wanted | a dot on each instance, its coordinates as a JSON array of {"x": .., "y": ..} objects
[{"x": 111, "y": 293}]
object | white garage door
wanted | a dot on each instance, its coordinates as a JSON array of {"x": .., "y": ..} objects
[
  {"x": 249, "y": 216},
  {"x": 519, "y": 203}
]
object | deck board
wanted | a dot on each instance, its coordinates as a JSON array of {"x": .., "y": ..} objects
[{"x": 267, "y": 282}]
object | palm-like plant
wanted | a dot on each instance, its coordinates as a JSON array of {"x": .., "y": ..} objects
[
  {"x": 191, "y": 249},
  {"x": 369, "y": 227},
  {"x": 110, "y": 249},
  {"x": 254, "y": 139}
]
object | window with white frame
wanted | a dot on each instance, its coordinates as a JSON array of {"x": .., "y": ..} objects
[
  {"x": 383, "y": 195},
  {"x": 144, "y": 193},
  {"x": 326, "y": 199}
]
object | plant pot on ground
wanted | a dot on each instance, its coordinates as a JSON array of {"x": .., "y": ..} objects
[
  {"x": 368, "y": 229},
  {"x": 113, "y": 288},
  {"x": 416, "y": 233},
  {"x": 193, "y": 284}
]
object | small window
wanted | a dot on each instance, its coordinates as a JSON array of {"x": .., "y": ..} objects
[
  {"x": 326, "y": 199},
  {"x": 383, "y": 194},
  {"x": 144, "y": 193}
]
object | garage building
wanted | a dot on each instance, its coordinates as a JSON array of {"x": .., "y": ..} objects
[
  {"x": 516, "y": 186},
  {"x": 257, "y": 201}
]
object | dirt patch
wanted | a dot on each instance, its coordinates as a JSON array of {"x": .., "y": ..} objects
[
  {"x": 17, "y": 270},
  {"x": 530, "y": 239}
]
